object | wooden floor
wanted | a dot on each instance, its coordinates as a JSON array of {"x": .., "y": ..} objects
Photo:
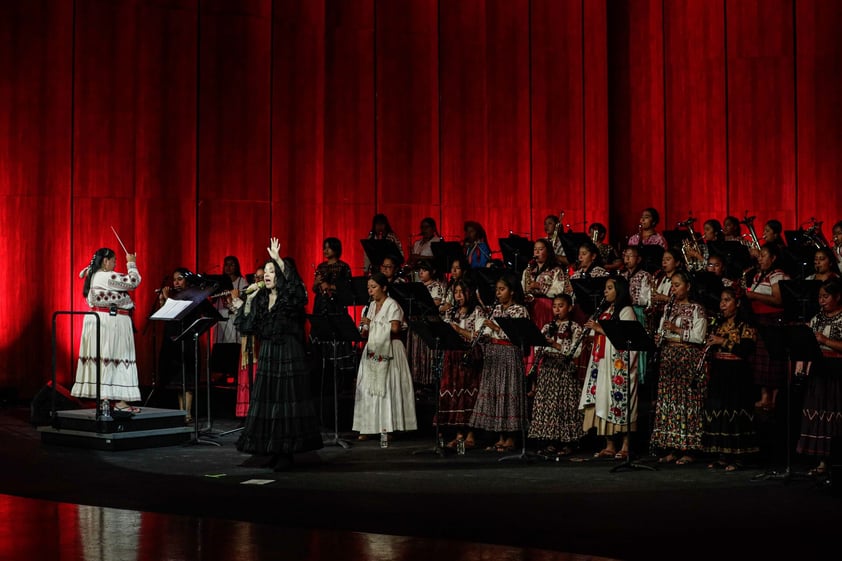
[
  {"x": 196, "y": 501},
  {"x": 33, "y": 530}
]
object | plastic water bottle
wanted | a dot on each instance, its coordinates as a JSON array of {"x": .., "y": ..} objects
[
  {"x": 384, "y": 439},
  {"x": 105, "y": 410},
  {"x": 460, "y": 447}
]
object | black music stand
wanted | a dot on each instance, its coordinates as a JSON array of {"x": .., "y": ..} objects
[
  {"x": 196, "y": 315},
  {"x": 485, "y": 280},
  {"x": 517, "y": 251},
  {"x": 800, "y": 299},
  {"x": 735, "y": 256},
  {"x": 650, "y": 257},
  {"x": 628, "y": 335},
  {"x": 378, "y": 250},
  {"x": 445, "y": 253},
  {"x": 334, "y": 329},
  {"x": 707, "y": 290},
  {"x": 439, "y": 337},
  {"x": 675, "y": 238},
  {"x": 588, "y": 292},
  {"x": 571, "y": 242},
  {"x": 791, "y": 343},
  {"x": 199, "y": 326},
  {"x": 414, "y": 299},
  {"x": 523, "y": 334}
]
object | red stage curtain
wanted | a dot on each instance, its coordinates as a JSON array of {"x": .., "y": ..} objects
[
  {"x": 819, "y": 120},
  {"x": 35, "y": 147},
  {"x": 199, "y": 129},
  {"x": 761, "y": 110},
  {"x": 694, "y": 76},
  {"x": 636, "y": 112}
]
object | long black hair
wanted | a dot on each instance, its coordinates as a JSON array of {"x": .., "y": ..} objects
[{"x": 101, "y": 255}]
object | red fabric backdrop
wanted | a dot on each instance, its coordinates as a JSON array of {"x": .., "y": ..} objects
[{"x": 199, "y": 129}]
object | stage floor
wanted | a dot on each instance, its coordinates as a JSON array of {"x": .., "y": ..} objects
[{"x": 407, "y": 492}]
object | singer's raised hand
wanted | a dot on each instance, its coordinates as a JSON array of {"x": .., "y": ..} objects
[{"x": 274, "y": 249}]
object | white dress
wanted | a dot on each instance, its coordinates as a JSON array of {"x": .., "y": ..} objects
[
  {"x": 385, "y": 399},
  {"x": 118, "y": 371}
]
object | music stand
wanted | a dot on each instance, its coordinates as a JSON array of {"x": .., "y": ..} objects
[
  {"x": 439, "y": 336},
  {"x": 517, "y": 251},
  {"x": 523, "y": 334},
  {"x": 445, "y": 253},
  {"x": 192, "y": 308},
  {"x": 626, "y": 336},
  {"x": 571, "y": 242},
  {"x": 791, "y": 343},
  {"x": 334, "y": 329},
  {"x": 588, "y": 293},
  {"x": 707, "y": 288},
  {"x": 486, "y": 284},
  {"x": 675, "y": 238},
  {"x": 378, "y": 250},
  {"x": 735, "y": 256},
  {"x": 800, "y": 299},
  {"x": 650, "y": 257},
  {"x": 414, "y": 299}
]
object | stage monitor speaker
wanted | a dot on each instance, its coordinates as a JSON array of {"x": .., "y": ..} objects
[{"x": 42, "y": 403}]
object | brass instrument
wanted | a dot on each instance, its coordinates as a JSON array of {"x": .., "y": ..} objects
[
  {"x": 749, "y": 222},
  {"x": 815, "y": 235},
  {"x": 695, "y": 262}
]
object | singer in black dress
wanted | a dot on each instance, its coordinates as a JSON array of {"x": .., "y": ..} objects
[{"x": 282, "y": 417}]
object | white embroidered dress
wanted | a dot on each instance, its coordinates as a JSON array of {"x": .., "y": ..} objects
[
  {"x": 385, "y": 400},
  {"x": 118, "y": 370}
]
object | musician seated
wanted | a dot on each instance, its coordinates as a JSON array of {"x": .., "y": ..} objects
[
  {"x": 823, "y": 265},
  {"x": 647, "y": 235},
  {"x": 552, "y": 229},
  {"x": 611, "y": 259},
  {"x": 390, "y": 267}
]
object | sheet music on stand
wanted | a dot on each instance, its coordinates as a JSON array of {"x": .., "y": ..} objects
[{"x": 171, "y": 309}]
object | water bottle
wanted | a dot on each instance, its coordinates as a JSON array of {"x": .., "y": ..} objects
[
  {"x": 460, "y": 447},
  {"x": 105, "y": 410},
  {"x": 384, "y": 439}
]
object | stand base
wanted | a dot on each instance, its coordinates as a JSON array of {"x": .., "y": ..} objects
[
  {"x": 436, "y": 451},
  {"x": 786, "y": 476},
  {"x": 630, "y": 465},
  {"x": 200, "y": 440},
  {"x": 524, "y": 456}
]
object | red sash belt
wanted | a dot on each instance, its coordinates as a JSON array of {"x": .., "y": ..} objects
[
  {"x": 120, "y": 311},
  {"x": 501, "y": 342}
]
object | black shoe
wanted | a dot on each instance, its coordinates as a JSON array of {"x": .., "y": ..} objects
[{"x": 282, "y": 462}]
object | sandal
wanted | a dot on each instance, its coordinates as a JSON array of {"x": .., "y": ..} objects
[
  {"x": 605, "y": 453},
  {"x": 818, "y": 470},
  {"x": 362, "y": 437},
  {"x": 621, "y": 455},
  {"x": 718, "y": 464},
  {"x": 668, "y": 459},
  {"x": 127, "y": 409},
  {"x": 566, "y": 451},
  {"x": 736, "y": 466},
  {"x": 684, "y": 460},
  {"x": 548, "y": 451},
  {"x": 470, "y": 443}
]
